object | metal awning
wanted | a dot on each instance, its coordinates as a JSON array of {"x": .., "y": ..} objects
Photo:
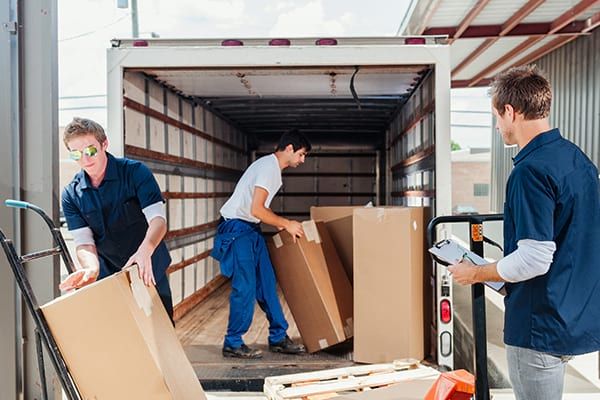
[{"x": 489, "y": 36}]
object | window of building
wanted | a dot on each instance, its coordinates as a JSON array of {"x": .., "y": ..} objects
[{"x": 481, "y": 189}]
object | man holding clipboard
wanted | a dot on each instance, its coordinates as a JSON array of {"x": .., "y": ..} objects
[{"x": 551, "y": 242}]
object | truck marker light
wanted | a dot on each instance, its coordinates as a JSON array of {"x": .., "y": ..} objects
[
  {"x": 232, "y": 42},
  {"x": 326, "y": 42},
  {"x": 445, "y": 343},
  {"x": 279, "y": 42},
  {"x": 415, "y": 40},
  {"x": 140, "y": 43},
  {"x": 445, "y": 311}
]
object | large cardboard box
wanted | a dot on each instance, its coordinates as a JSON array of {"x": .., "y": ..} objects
[
  {"x": 118, "y": 342},
  {"x": 314, "y": 285},
  {"x": 338, "y": 221},
  {"x": 389, "y": 247}
]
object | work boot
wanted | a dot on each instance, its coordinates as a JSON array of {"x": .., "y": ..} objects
[
  {"x": 287, "y": 346},
  {"x": 241, "y": 352}
]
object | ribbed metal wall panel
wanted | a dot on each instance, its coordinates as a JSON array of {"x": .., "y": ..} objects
[{"x": 574, "y": 72}]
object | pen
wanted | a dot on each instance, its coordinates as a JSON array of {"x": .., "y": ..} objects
[{"x": 466, "y": 256}]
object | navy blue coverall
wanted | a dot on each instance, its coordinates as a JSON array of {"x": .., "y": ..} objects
[{"x": 241, "y": 250}]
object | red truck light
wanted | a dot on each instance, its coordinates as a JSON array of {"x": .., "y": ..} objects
[
  {"x": 326, "y": 42},
  {"x": 414, "y": 40},
  {"x": 232, "y": 42},
  {"x": 279, "y": 42},
  {"x": 140, "y": 43},
  {"x": 445, "y": 311}
]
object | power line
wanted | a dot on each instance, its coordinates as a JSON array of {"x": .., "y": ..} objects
[
  {"x": 96, "y": 30},
  {"x": 88, "y": 96}
]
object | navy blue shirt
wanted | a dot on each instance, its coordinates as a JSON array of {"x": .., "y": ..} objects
[
  {"x": 552, "y": 194},
  {"x": 113, "y": 212}
]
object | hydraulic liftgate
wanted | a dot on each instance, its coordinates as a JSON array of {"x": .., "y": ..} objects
[
  {"x": 482, "y": 389},
  {"x": 42, "y": 331}
]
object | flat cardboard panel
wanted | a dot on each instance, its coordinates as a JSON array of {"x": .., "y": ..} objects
[
  {"x": 126, "y": 353},
  {"x": 133, "y": 86},
  {"x": 135, "y": 128},
  {"x": 342, "y": 288},
  {"x": 175, "y": 281},
  {"x": 338, "y": 221},
  {"x": 388, "y": 283},
  {"x": 306, "y": 283}
]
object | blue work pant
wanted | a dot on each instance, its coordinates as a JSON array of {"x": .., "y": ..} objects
[{"x": 253, "y": 279}]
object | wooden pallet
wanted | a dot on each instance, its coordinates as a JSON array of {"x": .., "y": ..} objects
[{"x": 325, "y": 384}]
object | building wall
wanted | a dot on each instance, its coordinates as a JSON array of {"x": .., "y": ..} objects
[
  {"x": 575, "y": 77},
  {"x": 464, "y": 176}
]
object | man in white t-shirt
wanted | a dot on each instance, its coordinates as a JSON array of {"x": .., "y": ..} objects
[{"x": 242, "y": 252}]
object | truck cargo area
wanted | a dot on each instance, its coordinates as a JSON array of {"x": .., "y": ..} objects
[
  {"x": 201, "y": 333},
  {"x": 197, "y": 113}
]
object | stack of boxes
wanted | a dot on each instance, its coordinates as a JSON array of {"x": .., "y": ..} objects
[{"x": 358, "y": 272}]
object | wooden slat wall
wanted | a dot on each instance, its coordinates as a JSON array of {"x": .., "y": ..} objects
[
  {"x": 411, "y": 149},
  {"x": 196, "y": 158}
]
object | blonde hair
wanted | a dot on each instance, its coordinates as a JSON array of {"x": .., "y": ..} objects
[{"x": 81, "y": 127}]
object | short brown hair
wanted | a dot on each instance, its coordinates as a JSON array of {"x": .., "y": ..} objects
[
  {"x": 81, "y": 127},
  {"x": 525, "y": 89}
]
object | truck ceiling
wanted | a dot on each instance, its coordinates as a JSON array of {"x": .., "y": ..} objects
[{"x": 330, "y": 104}]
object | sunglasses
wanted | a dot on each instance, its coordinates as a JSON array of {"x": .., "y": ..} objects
[{"x": 89, "y": 151}]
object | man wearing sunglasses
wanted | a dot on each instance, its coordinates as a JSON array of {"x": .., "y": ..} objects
[{"x": 115, "y": 213}]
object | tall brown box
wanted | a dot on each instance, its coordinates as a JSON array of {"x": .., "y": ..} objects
[
  {"x": 118, "y": 342},
  {"x": 314, "y": 285},
  {"x": 389, "y": 301},
  {"x": 338, "y": 221}
]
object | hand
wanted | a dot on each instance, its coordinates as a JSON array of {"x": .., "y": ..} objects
[
  {"x": 143, "y": 258},
  {"x": 294, "y": 228},
  {"x": 465, "y": 272},
  {"x": 79, "y": 279}
]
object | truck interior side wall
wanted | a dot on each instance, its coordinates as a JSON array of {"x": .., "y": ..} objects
[
  {"x": 411, "y": 149},
  {"x": 196, "y": 157}
]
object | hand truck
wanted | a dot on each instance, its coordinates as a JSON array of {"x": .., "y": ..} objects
[
  {"x": 42, "y": 331},
  {"x": 482, "y": 389}
]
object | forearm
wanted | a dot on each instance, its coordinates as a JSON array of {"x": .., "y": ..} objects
[
  {"x": 157, "y": 228},
  {"x": 87, "y": 254},
  {"x": 487, "y": 273},
  {"x": 267, "y": 216}
]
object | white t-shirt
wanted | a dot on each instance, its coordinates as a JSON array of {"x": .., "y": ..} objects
[{"x": 265, "y": 173}]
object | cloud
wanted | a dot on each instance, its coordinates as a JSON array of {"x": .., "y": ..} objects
[{"x": 309, "y": 20}]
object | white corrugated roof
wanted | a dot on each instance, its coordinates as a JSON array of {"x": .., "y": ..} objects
[{"x": 488, "y": 36}]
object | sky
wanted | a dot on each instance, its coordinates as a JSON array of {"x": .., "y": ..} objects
[{"x": 85, "y": 28}]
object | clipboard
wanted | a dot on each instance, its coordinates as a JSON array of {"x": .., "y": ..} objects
[{"x": 447, "y": 252}]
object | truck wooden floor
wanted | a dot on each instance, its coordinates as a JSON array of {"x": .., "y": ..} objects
[{"x": 201, "y": 333}]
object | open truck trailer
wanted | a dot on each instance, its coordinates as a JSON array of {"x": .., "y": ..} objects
[{"x": 198, "y": 112}]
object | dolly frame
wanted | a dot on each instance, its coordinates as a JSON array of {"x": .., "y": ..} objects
[
  {"x": 482, "y": 388},
  {"x": 42, "y": 330}
]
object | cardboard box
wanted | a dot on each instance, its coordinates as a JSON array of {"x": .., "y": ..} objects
[
  {"x": 314, "y": 285},
  {"x": 338, "y": 221},
  {"x": 389, "y": 247},
  {"x": 118, "y": 342}
]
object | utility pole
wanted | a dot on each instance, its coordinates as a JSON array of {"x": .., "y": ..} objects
[{"x": 135, "y": 29}]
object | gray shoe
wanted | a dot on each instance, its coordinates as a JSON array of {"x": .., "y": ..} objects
[
  {"x": 242, "y": 352},
  {"x": 286, "y": 346}
]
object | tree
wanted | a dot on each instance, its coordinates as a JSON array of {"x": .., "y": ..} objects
[{"x": 454, "y": 146}]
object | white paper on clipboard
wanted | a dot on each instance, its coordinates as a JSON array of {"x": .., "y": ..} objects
[{"x": 448, "y": 252}]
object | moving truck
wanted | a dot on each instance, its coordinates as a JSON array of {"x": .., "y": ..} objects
[{"x": 197, "y": 112}]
